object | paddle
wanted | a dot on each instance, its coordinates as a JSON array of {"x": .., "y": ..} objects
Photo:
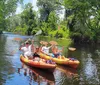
[
  {"x": 38, "y": 32},
  {"x": 17, "y": 39},
  {"x": 72, "y": 48}
]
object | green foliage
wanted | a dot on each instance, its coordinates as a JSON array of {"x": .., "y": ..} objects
[
  {"x": 52, "y": 21},
  {"x": 20, "y": 30},
  {"x": 28, "y": 18},
  {"x": 45, "y": 29},
  {"x": 1, "y": 31},
  {"x": 7, "y": 8},
  {"x": 81, "y": 22},
  {"x": 63, "y": 32},
  {"x": 46, "y": 7},
  {"x": 50, "y": 25},
  {"x": 85, "y": 20},
  {"x": 35, "y": 30},
  {"x": 13, "y": 21}
]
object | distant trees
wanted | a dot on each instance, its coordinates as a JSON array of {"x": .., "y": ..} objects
[
  {"x": 81, "y": 21},
  {"x": 28, "y": 17},
  {"x": 7, "y": 8},
  {"x": 49, "y": 19},
  {"x": 24, "y": 22},
  {"x": 46, "y": 7}
]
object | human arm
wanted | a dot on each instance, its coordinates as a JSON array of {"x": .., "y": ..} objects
[
  {"x": 62, "y": 49},
  {"x": 22, "y": 45},
  {"x": 45, "y": 50},
  {"x": 33, "y": 48}
]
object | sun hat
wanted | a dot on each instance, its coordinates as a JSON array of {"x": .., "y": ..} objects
[
  {"x": 27, "y": 42},
  {"x": 53, "y": 43},
  {"x": 45, "y": 43}
]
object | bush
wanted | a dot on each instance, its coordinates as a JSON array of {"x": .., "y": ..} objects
[
  {"x": 1, "y": 31},
  {"x": 21, "y": 30},
  {"x": 63, "y": 32},
  {"x": 34, "y": 31}
]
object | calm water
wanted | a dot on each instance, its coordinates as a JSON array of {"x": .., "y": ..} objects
[{"x": 13, "y": 72}]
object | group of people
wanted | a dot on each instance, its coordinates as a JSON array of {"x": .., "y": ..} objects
[{"x": 31, "y": 51}]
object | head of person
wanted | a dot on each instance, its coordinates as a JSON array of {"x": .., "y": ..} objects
[
  {"x": 45, "y": 43},
  {"x": 37, "y": 48},
  {"x": 29, "y": 41},
  {"x": 54, "y": 47},
  {"x": 26, "y": 43}
]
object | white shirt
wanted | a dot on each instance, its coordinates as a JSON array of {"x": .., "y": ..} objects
[
  {"x": 31, "y": 48},
  {"x": 27, "y": 51},
  {"x": 24, "y": 49},
  {"x": 45, "y": 49}
]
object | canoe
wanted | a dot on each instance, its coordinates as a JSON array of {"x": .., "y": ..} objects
[
  {"x": 74, "y": 63},
  {"x": 37, "y": 64}
]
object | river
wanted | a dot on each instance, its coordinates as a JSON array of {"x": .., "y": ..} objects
[{"x": 12, "y": 71}]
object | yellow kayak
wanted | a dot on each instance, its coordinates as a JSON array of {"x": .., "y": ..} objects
[{"x": 74, "y": 63}]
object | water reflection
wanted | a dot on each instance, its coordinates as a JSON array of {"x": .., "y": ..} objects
[
  {"x": 6, "y": 67},
  {"x": 90, "y": 68},
  {"x": 37, "y": 76},
  {"x": 8, "y": 58},
  {"x": 97, "y": 52},
  {"x": 65, "y": 75},
  {"x": 89, "y": 73}
]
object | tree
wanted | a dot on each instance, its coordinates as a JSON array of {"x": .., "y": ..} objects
[
  {"x": 29, "y": 18},
  {"x": 47, "y": 6},
  {"x": 7, "y": 8},
  {"x": 52, "y": 21},
  {"x": 81, "y": 22}
]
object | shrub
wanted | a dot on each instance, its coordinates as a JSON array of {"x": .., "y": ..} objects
[{"x": 62, "y": 32}]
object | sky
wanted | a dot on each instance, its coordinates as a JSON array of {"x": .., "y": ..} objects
[{"x": 19, "y": 9}]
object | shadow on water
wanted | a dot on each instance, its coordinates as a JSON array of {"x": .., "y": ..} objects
[
  {"x": 65, "y": 75},
  {"x": 36, "y": 75},
  {"x": 70, "y": 72}
]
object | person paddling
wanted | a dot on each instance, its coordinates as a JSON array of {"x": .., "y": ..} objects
[
  {"x": 56, "y": 52},
  {"x": 45, "y": 49},
  {"x": 25, "y": 49}
]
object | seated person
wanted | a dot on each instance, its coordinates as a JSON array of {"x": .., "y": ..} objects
[
  {"x": 31, "y": 49},
  {"x": 56, "y": 52},
  {"x": 36, "y": 56},
  {"x": 25, "y": 49},
  {"x": 45, "y": 48},
  {"x": 28, "y": 49}
]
